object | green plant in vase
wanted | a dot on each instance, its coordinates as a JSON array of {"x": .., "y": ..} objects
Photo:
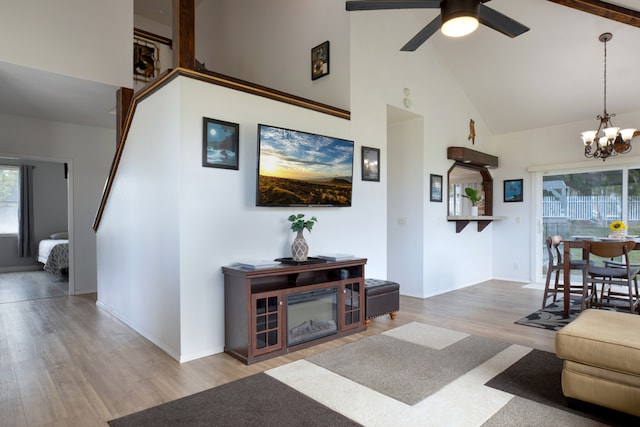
[
  {"x": 299, "y": 247},
  {"x": 474, "y": 197}
]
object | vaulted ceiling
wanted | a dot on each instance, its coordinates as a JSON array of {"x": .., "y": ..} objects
[{"x": 550, "y": 75}]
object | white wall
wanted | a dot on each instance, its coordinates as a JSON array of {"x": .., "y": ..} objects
[
  {"x": 405, "y": 230},
  {"x": 138, "y": 239},
  {"x": 89, "y": 152},
  {"x": 171, "y": 224},
  {"x": 450, "y": 260},
  {"x": 270, "y": 42},
  {"x": 78, "y": 38}
]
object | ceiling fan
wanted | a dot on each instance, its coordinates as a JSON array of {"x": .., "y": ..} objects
[{"x": 453, "y": 13}]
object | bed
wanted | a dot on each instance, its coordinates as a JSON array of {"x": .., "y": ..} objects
[{"x": 54, "y": 254}]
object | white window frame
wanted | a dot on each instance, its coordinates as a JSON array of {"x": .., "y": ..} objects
[{"x": 17, "y": 169}]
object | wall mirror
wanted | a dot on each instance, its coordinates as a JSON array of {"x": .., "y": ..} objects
[{"x": 461, "y": 176}]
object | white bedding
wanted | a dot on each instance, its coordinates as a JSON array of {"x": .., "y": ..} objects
[{"x": 45, "y": 246}]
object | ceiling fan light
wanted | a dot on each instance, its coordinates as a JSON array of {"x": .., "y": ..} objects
[
  {"x": 459, "y": 17},
  {"x": 460, "y": 26}
]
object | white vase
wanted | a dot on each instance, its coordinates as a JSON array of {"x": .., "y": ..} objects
[
  {"x": 474, "y": 211},
  {"x": 299, "y": 248}
]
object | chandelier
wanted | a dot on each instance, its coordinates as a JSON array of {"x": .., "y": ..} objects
[{"x": 614, "y": 141}]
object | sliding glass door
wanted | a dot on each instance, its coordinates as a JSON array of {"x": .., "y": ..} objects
[{"x": 585, "y": 204}]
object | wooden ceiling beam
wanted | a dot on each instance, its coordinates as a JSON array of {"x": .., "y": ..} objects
[{"x": 604, "y": 9}]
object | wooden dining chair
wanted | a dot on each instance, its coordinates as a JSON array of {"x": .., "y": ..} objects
[
  {"x": 556, "y": 266},
  {"x": 624, "y": 275}
]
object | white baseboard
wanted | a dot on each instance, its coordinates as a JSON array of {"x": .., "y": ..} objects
[{"x": 20, "y": 268}]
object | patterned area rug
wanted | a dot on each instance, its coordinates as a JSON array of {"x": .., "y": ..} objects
[
  {"x": 551, "y": 317},
  {"x": 413, "y": 375}
]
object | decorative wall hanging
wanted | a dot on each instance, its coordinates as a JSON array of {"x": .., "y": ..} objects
[
  {"x": 370, "y": 164},
  {"x": 436, "y": 188},
  {"x": 513, "y": 190},
  {"x": 146, "y": 59},
  {"x": 220, "y": 143},
  {"x": 472, "y": 132},
  {"x": 320, "y": 61}
]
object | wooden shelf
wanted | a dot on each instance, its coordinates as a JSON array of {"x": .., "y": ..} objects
[{"x": 483, "y": 221}]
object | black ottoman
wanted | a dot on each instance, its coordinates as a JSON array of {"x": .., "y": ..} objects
[{"x": 381, "y": 297}]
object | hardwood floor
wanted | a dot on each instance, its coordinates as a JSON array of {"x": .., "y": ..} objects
[
  {"x": 32, "y": 284},
  {"x": 65, "y": 362}
]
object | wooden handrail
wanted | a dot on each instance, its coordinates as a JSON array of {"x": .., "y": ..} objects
[{"x": 209, "y": 77}]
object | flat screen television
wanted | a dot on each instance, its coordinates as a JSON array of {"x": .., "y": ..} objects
[{"x": 303, "y": 169}]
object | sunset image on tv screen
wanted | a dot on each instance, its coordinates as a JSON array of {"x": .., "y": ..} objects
[{"x": 300, "y": 168}]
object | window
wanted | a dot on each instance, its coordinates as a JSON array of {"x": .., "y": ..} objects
[
  {"x": 9, "y": 199},
  {"x": 582, "y": 204}
]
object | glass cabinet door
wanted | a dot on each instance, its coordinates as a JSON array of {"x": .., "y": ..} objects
[
  {"x": 351, "y": 305},
  {"x": 266, "y": 322}
]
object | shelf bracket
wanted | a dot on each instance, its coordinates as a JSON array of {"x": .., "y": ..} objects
[
  {"x": 483, "y": 224},
  {"x": 460, "y": 225}
]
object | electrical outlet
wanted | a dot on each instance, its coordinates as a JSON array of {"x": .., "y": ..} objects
[{"x": 515, "y": 265}]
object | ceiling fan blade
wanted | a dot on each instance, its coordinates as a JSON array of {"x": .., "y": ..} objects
[
  {"x": 500, "y": 22},
  {"x": 391, "y": 4},
  {"x": 423, "y": 35}
]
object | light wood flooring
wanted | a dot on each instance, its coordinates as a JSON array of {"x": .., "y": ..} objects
[
  {"x": 32, "y": 284},
  {"x": 65, "y": 362}
]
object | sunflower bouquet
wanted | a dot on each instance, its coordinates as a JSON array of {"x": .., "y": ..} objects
[{"x": 618, "y": 229}]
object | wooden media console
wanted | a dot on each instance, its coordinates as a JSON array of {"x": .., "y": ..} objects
[{"x": 263, "y": 306}]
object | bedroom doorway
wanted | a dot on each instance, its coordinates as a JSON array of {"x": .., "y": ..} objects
[{"x": 25, "y": 278}]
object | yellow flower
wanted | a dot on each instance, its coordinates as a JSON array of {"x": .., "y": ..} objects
[{"x": 617, "y": 225}]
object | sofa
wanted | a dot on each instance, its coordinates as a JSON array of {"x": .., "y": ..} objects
[{"x": 601, "y": 359}]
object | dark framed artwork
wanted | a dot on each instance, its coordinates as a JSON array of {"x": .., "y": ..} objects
[
  {"x": 435, "y": 192},
  {"x": 370, "y": 164},
  {"x": 220, "y": 143},
  {"x": 512, "y": 190},
  {"x": 320, "y": 60}
]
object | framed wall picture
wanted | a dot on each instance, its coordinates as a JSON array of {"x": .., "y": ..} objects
[
  {"x": 512, "y": 190},
  {"x": 320, "y": 60},
  {"x": 220, "y": 144},
  {"x": 436, "y": 188},
  {"x": 370, "y": 164}
]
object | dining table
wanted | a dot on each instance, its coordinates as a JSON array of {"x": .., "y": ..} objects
[{"x": 578, "y": 242}]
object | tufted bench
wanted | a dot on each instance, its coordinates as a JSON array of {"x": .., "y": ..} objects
[
  {"x": 381, "y": 297},
  {"x": 601, "y": 352}
]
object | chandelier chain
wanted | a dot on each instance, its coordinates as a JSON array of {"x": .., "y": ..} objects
[{"x": 605, "y": 76}]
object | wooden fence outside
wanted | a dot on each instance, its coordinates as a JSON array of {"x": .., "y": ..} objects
[{"x": 590, "y": 208}]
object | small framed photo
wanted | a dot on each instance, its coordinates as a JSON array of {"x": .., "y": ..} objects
[
  {"x": 320, "y": 60},
  {"x": 512, "y": 190},
  {"x": 436, "y": 188},
  {"x": 370, "y": 164},
  {"x": 220, "y": 144}
]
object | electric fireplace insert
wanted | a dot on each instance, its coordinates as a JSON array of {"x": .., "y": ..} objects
[{"x": 311, "y": 315}]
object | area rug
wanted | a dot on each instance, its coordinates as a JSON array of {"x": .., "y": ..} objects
[
  {"x": 551, "y": 317},
  {"x": 415, "y": 374},
  {"x": 258, "y": 400}
]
